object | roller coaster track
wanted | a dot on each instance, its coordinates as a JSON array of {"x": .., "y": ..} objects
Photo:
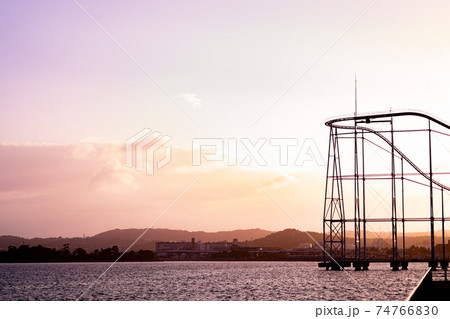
[
  {"x": 334, "y": 211},
  {"x": 369, "y": 117}
]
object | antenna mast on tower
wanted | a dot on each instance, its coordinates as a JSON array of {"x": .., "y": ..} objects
[{"x": 356, "y": 98}]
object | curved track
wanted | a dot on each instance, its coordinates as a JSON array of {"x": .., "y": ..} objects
[{"x": 369, "y": 117}]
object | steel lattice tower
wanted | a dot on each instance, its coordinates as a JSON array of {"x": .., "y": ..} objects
[{"x": 378, "y": 130}]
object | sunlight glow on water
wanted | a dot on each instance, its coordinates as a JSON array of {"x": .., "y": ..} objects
[{"x": 204, "y": 281}]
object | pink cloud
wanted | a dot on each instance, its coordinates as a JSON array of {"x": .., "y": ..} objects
[
  {"x": 113, "y": 176},
  {"x": 53, "y": 190},
  {"x": 17, "y": 195}
]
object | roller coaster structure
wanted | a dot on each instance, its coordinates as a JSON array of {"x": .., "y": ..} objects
[{"x": 377, "y": 130}]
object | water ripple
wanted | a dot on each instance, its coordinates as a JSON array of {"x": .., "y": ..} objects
[{"x": 203, "y": 281}]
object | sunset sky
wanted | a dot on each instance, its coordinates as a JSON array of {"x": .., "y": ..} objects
[{"x": 77, "y": 80}]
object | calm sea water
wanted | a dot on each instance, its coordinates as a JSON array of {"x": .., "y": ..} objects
[{"x": 204, "y": 281}]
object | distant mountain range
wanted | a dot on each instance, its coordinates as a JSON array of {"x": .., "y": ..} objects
[
  {"x": 124, "y": 237},
  {"x": 286, "y": 239}
]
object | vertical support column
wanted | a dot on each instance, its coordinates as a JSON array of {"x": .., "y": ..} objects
[
  {"x": 326, "y": 193},
  {"x": 394, "y": 203},
  {"x": 433, "y": 264},
  {"x": 334, "y": 216},
  {"x": 357, "y": 221},
  {"x": 443, "y": 225},
  {"x": 403, "y": 213},
  {"x": 364, "y": 199},
  {"x": 341, "y": 201},
  {"x": 334, "y": 188}
]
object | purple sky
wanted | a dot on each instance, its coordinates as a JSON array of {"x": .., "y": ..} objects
[{"x": 64, "y": 81}]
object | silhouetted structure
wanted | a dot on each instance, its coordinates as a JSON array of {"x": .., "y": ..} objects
[
  {"x": 377, "y": 131},
  {"x": 25, "y": 253}
]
